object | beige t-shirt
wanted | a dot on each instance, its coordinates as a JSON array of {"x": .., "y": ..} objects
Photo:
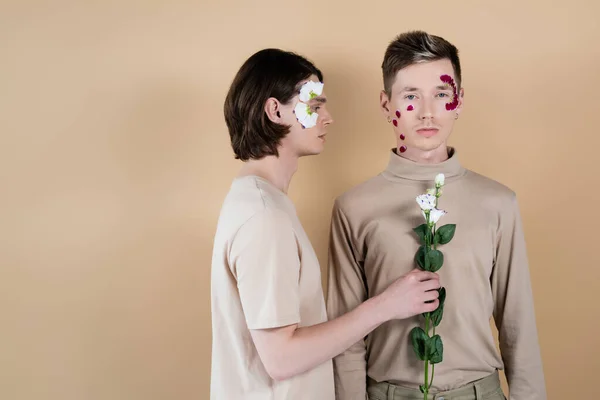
[{"x": 265, "y": 274}]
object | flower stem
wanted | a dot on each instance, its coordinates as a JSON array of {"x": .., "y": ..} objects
[
  {"x": 437, "y": 199},
  {"x": 426, "y": 386},
  {"x": 429, "y": 243}
]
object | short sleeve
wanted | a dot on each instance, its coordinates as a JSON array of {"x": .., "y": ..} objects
[{"x": 264, "y": 258}]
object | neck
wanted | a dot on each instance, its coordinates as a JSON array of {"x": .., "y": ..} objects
[
  {"x": 277, "y": 170},
  {"x": 403, "y": 169},
  {"x": 435, "y": 156}
]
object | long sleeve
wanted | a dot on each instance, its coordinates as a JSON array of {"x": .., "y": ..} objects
[
  {"x": 514, "y": 310},
  {"x": 346, "y": 290}
]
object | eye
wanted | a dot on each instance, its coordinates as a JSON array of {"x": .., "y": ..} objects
[
  {"x": 410, "y": 97},
  {"x": 442, "y": 95},
  {"x": 316, "y": 108}
]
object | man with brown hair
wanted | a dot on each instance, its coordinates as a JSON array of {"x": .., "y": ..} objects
[
  {"x": 485, "y": 270},
  {"x": 271, "y": 338}
]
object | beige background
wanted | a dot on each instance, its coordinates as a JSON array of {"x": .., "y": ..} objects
[{"x": 115, "y": 159}]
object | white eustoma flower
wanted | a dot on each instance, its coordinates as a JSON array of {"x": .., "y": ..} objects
[
  {"x": 426, "y": 201},
  {"x": 435, "y": 215},
  {"x": 431, "y": 192},
  {"x": 305, "y": 116},
  {"x": 439, "y": 180},
  {"x": 310, "y": 90}
]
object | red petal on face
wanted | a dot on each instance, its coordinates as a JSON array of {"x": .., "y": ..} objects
[
  {"x": 402, "y": 149},
  {"x": 410, "y": 108},
  {"x": 402, "y": 137},
  {"x": 448, "y": 79},
  {"x": 452, "y": 106},
  {"x": 398, "y": 114},
  {"x": 395, "y": 122}
]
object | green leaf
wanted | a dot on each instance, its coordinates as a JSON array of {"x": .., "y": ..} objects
[
  {"x": 444, "y": 234},
  {"x": 436, "y": 316},
  {"x": 435, "y": 349},
  {"x": 436, "y": 260},
  {"x": 442, "y": 297},
  {"x": 422, "y": 259},
  {"x": 422, "y": 388},
  {"x": 422, "y": 231},
  {"x": 419, "y": 342}
]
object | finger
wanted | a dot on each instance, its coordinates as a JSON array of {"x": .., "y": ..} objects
[
  {"x": 431, "y": 295},
  {"x": 426, "y": 276},
  {"x": 429, "y": 307},
  {"x": 432, "y": 284}
]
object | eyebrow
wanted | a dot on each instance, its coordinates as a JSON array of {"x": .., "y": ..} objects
[
  {"x": 414, "y": 89},
  {"x": 321, "y": 100}
]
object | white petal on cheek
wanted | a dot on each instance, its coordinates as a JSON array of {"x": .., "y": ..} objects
[
  {"x": 308, "y": 120},
  {"x": 312, "y": 120}
]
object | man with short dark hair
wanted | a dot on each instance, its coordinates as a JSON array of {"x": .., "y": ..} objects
[
  {"x": 271, "y": 337},
  {"x": 485, "y": 267}
]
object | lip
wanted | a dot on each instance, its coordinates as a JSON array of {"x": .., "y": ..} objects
[{"x": 427, "y": 132}]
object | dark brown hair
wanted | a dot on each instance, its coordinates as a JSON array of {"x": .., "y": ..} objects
[
  {"x": 417, "y": 47},
  {"x": 267, "y": 73}
]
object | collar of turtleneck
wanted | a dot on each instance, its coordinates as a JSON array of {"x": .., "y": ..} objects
[{"x": 402, "y": 169}]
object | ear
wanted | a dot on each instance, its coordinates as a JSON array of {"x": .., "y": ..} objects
[
  {"x": 273, "y": 110},
  {"x": 461, "y": 99},
  {"x": 384, "y": 103}
]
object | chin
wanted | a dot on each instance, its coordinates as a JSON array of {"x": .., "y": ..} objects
[
  {"x": 428, "y": 145},
  {"x": 317, "y": 152},
  {"x": 312, "y": 152},
  {"x": 429, "y": 148}
]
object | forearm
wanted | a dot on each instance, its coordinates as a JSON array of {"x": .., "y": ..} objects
[
  {"x": 307, "y": 347},
  {"x": 521, "y": 352}
]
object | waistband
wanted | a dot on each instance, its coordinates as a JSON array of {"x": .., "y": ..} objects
[{"x": 478, "y": 389}]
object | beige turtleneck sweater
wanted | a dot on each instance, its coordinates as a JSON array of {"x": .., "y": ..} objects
[{"x": 485, "y": 274}]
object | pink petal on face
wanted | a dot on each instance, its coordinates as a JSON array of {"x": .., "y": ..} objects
[
  {"x": 398, "y": 114},
  {"x": 395, "y": 122},
  {"x": 402, "y": 149},
  {"x": 409, "y": 108}
]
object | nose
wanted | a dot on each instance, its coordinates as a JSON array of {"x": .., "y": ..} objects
[
  {"x": 327, "y": 118},
  {"x": 426, "y": 111}
]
